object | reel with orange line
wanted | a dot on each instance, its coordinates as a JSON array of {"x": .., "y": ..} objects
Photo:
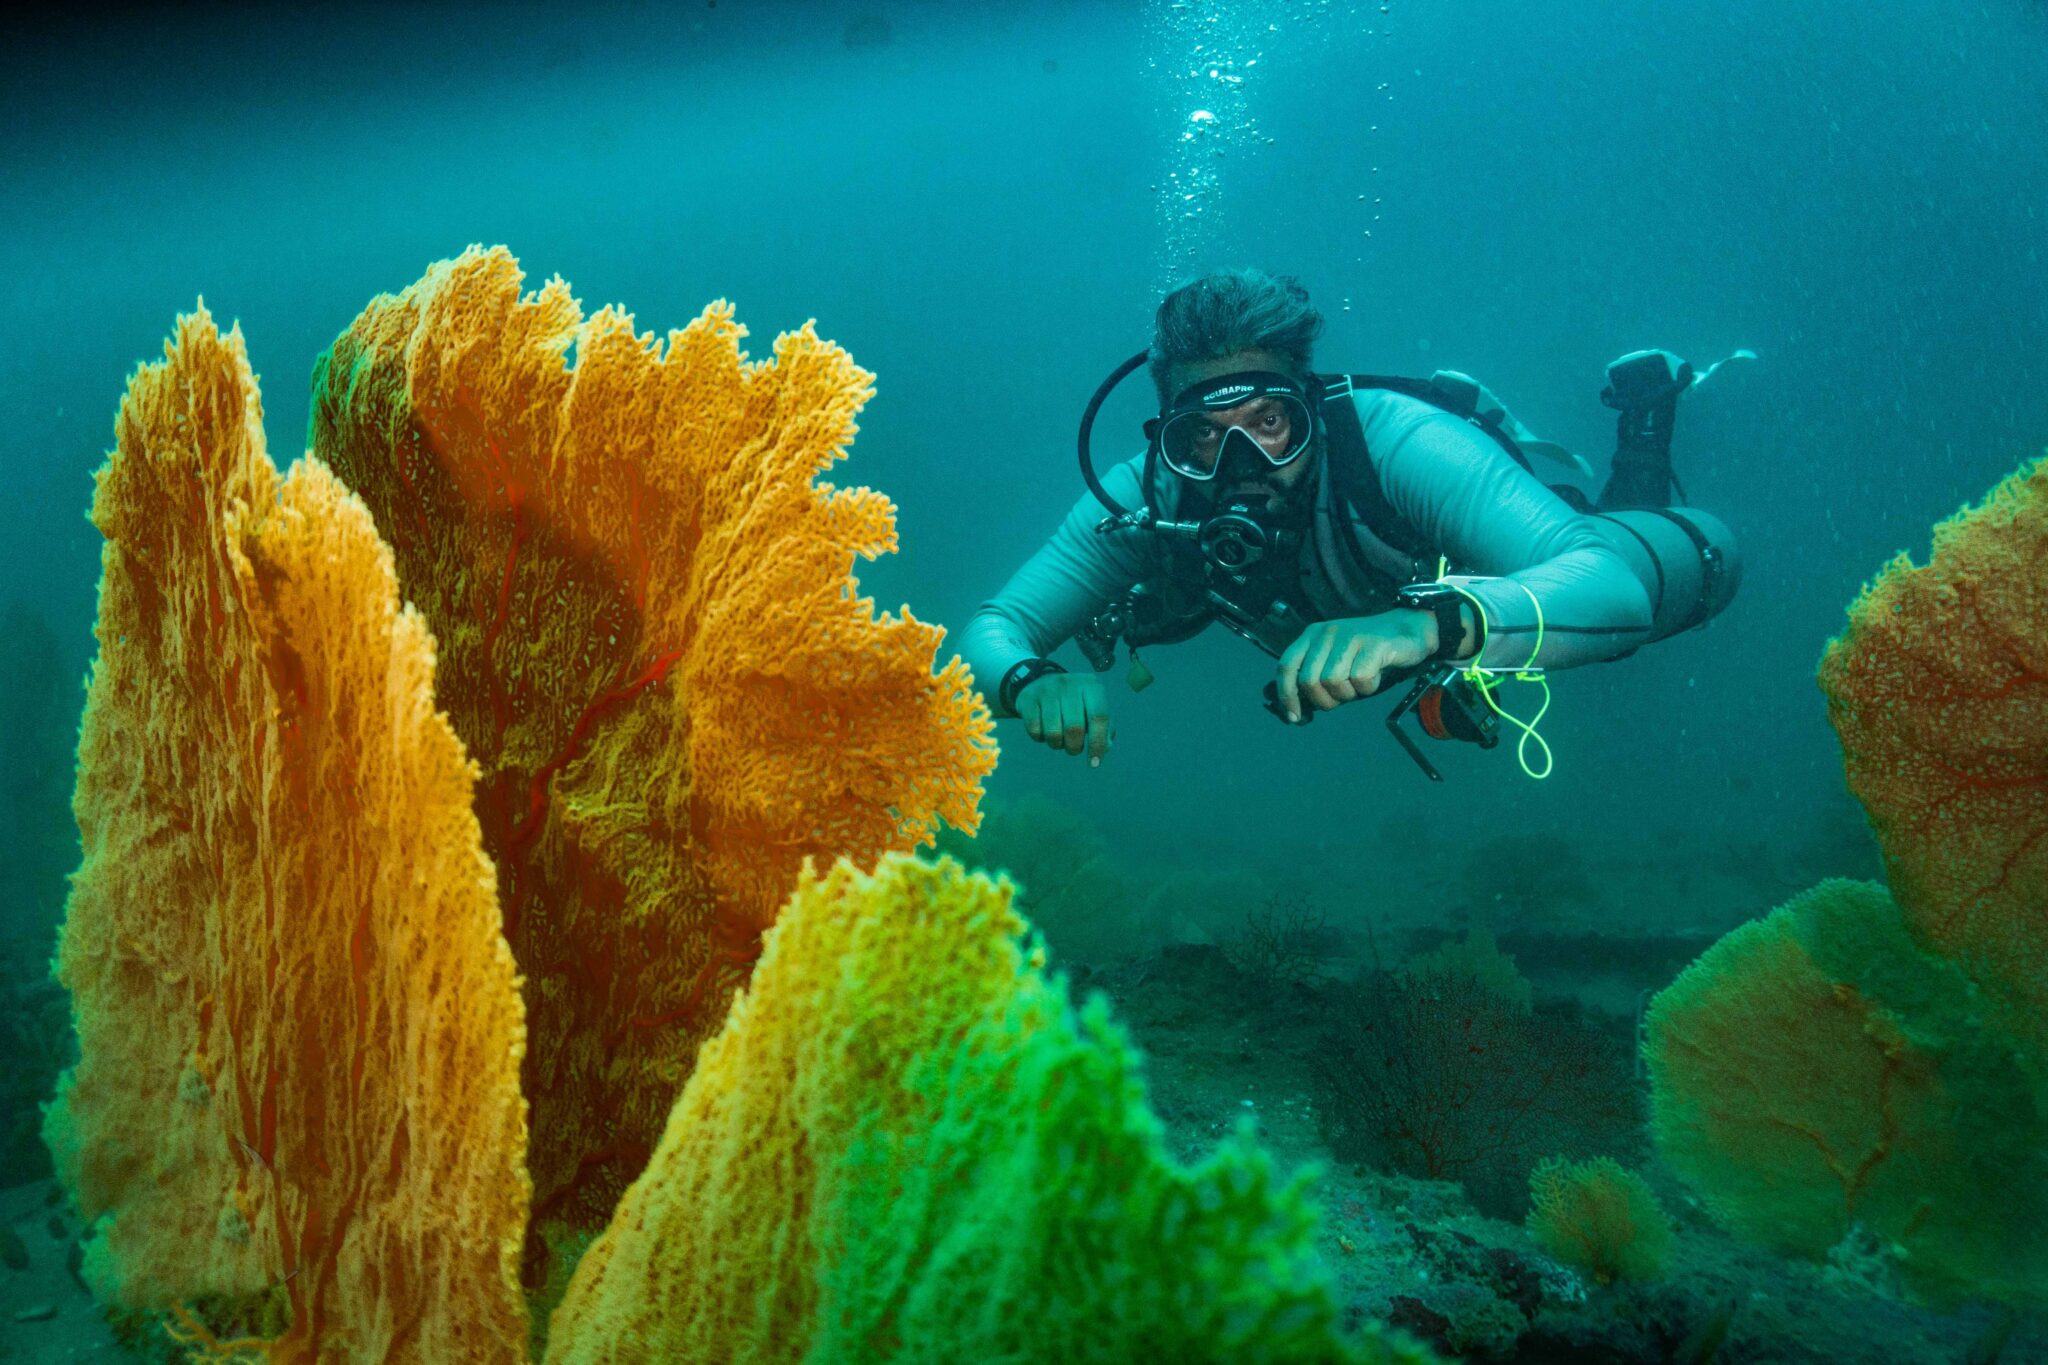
[{"x": 1447, "y": 705}]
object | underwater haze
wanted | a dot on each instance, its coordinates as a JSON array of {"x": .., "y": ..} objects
[
  {"x": 984, "y": 203},
  {"x": 978, "y": 201}
]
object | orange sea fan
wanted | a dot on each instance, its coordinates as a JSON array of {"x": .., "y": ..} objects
[
  {"x": 652, "y": 642},
  {"x": 1939, "y": 691},
  {"x": 299, "y": 1026}
]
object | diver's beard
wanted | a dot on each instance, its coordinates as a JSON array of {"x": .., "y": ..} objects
[
  {"x": 1283, "y": 504},
  {"x": 1261, "y": 491}
]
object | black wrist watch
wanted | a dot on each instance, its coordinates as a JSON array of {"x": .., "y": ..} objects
[
  {"x": 1447, "y": 604},
  {"x": 1021, "y": 675}
]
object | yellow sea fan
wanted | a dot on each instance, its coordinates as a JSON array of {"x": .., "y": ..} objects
[
  {"x": 1938, "y": 688},
  {"x": 653, "y": 643},
  {"x": 906, "y": 1145},
  {"x": 299, "y": 1025}
]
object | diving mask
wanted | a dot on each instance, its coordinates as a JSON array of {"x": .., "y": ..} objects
[{"x": 1263, "y": 415}]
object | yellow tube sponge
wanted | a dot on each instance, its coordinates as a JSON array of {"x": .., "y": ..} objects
[
  {"x": 299, "y": 1023},
  {"x": 1939, "y": 691},
  {"x": 905, "y": 1145},
  {"x": 652, "y": 642}
]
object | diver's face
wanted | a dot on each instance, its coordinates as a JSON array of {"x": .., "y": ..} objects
[{"x": 1265, "y": 420}]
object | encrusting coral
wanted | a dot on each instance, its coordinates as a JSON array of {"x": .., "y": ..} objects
[
  {"x": 906, "y": 1145},
  {"x": 299, "y": 1025},
  {"x": 1600, "y": 1217},
  {"x": 1879, "y": 1060},
  {"x": 652, "y": 643}
]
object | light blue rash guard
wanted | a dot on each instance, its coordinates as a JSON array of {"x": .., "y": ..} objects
[{"x": 1526, "y": 550}]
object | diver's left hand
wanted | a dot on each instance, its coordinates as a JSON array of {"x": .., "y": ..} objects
[{"x": 1333, "y": 662}]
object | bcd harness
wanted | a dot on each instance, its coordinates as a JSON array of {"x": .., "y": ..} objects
[
  {"x": 1240, "y": 565},
  {"x": 1236, "y": 568}
]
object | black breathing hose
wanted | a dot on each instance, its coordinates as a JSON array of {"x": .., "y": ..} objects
[{"x": 1116, "y": 377}]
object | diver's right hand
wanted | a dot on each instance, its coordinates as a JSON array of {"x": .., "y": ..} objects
[{"x": 1068, "y": 711}]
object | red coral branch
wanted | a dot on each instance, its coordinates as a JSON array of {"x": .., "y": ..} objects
[{"x": 537, "y": 787}]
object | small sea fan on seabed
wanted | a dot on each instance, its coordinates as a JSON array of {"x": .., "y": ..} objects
[
  {"x": 1600, "y": 1217},
  {"x": 1441, "y": 1075}
]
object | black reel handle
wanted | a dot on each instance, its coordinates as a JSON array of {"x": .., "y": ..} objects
[{"x": 1393, "y": 677}]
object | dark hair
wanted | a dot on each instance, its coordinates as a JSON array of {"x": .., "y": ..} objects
[{"x": 1229, "y": 311}]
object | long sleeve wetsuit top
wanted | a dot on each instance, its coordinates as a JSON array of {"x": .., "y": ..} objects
[{"x": 1528, "y": 551}]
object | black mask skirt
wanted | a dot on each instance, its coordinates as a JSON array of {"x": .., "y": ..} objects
[{"x": 1276, "y": 427}]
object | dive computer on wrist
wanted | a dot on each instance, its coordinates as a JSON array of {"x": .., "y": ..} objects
[
  {"x": 1447, "y": 605},
  {"x": 1021, "y": 675}
]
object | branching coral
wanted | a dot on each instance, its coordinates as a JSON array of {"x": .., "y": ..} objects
[
  {"x": 298, "y": 1020},
  {"x": 652, "y": 643},
  {"x": 1599, "y": 1217},
  {"x": 1279, "y": 948},
  {"x": 907, "y": 1146},
  {"x": 1438, "y": 1072}
]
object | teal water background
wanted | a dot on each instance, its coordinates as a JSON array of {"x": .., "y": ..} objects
[{"x": 979, "y": 202}]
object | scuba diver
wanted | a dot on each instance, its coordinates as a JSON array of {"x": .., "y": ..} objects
[{"x": 1362, "y": 530}]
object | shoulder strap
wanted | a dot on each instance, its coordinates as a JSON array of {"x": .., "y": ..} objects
[
  {"x": 1459, "y": 400},
  {"x": 1354, "y": 479},
  {"x": 1351, "y": 463}
]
